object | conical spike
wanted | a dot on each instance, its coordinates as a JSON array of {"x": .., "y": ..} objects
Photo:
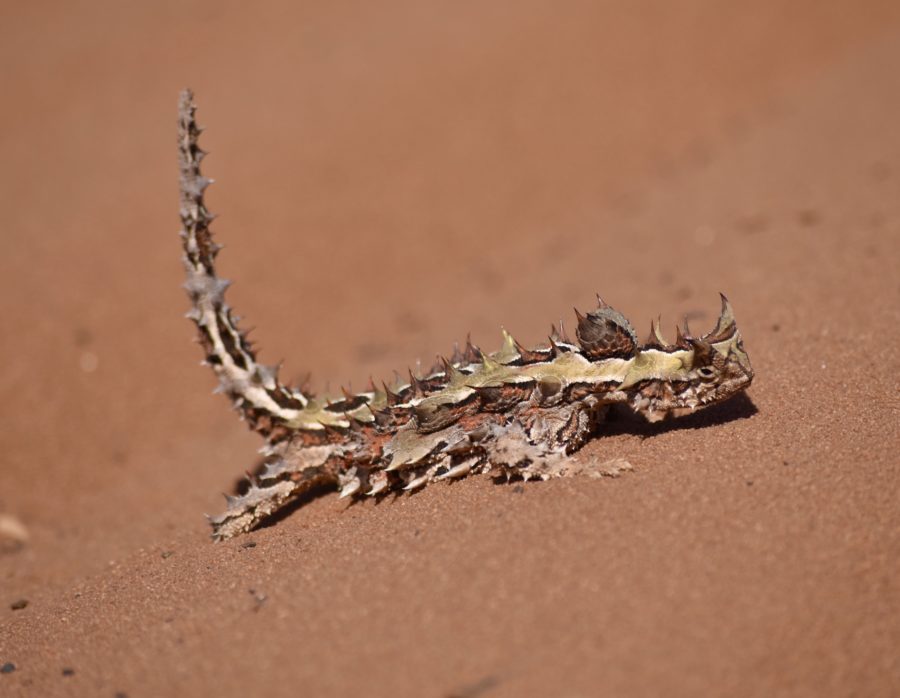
[
  {"x": 509, "y": 344},
  {"x": 651, "y": 338},
  {"x": 488, "y": 364},
  {"x": 456, "y": 357},
  {"x": 471, "y": 354},
  {"x": 379, "y": 396},
  {"x": 602, "y": 304},
  {"x": 417, "y": 387},
  {"x": 726, "y": 319},
  {"x": 272, "y": 469},
  {"x": 219, "y": 286},
  {"x": 458, "y": 444},
  {"x": 378, "y": 487},
  {"x": 703, "y": 351},
  {"x": 457, "y": 471},
  {"x": 529, "y": 356},
  {"x": 727, "y": 314},
  {"x": 508, "y": 352},
  {"x": 413, "y": 384},
  {"x": 267, "y": 376},
  {"x": 350, "y": 488},
  {"x": 416, "y": 483},
  {"x": 658, "y": 333},
  {"x": 656, "y": 339},
  {"x": 391, "y": 397},
  {"x": 450, "y": 371},
  {"x": 398, "y": 382},
  {"x": 554, "y": 334},
  {"x": 555, "y": 349},
  {"x": 564, "y": 337},
  {"x": 680, "y": 340},
  {"x": 381, "y": 417},
  {"x": 687, "y": 329}
]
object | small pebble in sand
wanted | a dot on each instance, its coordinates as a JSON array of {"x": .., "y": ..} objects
[
  {"x": 12, "y": 529},
  {"x": 7, "y": 668},
  {"x": 68, "y": 671},
  {"x": 259, "y": 598},
  {"x": 166, "y": 554},
  {"x": 248, "y": 544},
  {"x": 19, "y": 604}
]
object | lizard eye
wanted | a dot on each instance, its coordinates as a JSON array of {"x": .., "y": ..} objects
[{"x": 706, "y": 372}]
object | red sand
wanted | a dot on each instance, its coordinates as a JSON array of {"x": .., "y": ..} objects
[{"x": 389, "y": 179}]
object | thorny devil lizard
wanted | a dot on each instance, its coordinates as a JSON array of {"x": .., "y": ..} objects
[{"x": 516, "y": 412}]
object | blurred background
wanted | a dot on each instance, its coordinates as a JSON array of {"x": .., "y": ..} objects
[{"x": 390, "y": 176}]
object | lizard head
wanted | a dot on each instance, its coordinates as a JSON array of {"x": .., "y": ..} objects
[{"x": 671, "y": 380}]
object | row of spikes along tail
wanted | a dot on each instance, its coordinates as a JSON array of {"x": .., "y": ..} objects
[{"x": 253, "y": 388}]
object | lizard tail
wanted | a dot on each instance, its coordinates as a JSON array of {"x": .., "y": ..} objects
[{"x": 253, "y": 388}]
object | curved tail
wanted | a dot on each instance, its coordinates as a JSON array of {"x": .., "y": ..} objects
[{"x": 254, "y": 389}]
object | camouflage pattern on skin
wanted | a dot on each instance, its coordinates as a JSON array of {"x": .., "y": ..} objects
[{"x": 515, "y": 412}]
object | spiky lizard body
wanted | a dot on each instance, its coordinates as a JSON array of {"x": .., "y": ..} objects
[{"x": 514, "y": 412}]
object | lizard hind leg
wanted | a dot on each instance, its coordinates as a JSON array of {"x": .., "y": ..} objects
[
  {"x": 283, "y": 481},
  {"x": 246, "y": 511}
]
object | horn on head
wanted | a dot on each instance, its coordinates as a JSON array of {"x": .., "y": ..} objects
[
  {"x": 703, "y": 351},
  {"x": 725, "y": 324}
]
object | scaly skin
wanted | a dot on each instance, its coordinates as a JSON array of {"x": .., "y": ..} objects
[{"x": 515, "y": 412}]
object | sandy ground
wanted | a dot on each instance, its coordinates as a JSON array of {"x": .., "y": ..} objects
[{"x": 390, "y": 177}]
